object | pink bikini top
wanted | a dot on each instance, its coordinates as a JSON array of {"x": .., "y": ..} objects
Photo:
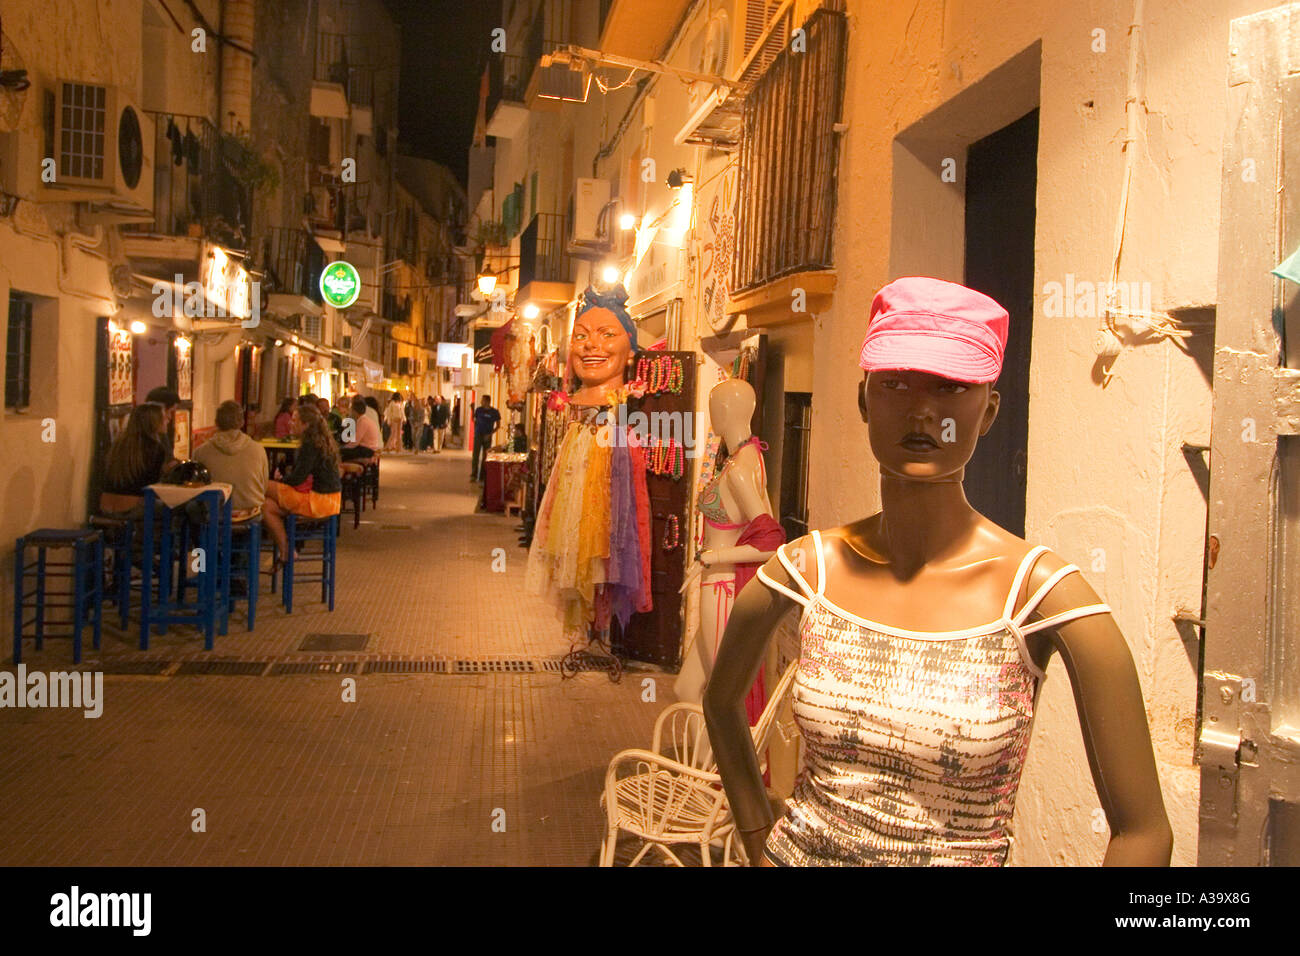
[{"x": 710, "y": 502}]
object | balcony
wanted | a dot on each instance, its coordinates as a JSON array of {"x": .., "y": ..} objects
[
  {"x": 788, "y": 160},
  {"x": 549, "y": 86},
  {"x": 639, "y": 28},
  {"x": 507, "y": 85},
  {"x": 292, "y": 264},
  {"x": 195, "y": 196},
  {"x": 545, "y": 269},
  {"x": 329, "y": 88},
  {"x": 394, "y": 302}
]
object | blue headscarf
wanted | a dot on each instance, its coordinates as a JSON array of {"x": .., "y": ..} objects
[{"x": 615, "y": 301}]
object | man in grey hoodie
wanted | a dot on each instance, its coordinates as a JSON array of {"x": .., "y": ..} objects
[{"x": 233, "y": 457}]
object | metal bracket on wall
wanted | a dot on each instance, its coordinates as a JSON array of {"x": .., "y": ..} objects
[{"x": 1220, "y": 749}]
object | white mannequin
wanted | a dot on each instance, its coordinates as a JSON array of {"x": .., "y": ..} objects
[{"x": 742, "y": 494}]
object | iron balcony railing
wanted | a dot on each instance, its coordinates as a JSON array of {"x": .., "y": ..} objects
[
  {"x": 543, "y": 256},
  {"x": 192, "y": 190},
  {"x": 331, "y": 58},
  {"x": 361, "y": 86},
  {"x": 508, "y": 77},
  {"x": 293, "y": 262},
  {"x": 395, "y": 302},
  {"x": 789, "y": 151}
]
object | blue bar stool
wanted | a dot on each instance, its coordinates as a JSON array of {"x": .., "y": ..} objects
[
  {"x": 118, "y": 538},
  {"x": 243, "y": 555},
  {"x": 160, "y": 609},
  {"x": 86, "y": 571},
  {"x": 299, "y": 530}
]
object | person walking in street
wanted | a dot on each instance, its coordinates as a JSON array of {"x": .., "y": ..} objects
[
  {"x": 418, "y": 418},
  {"x": 393, "y": 421},
  {"x": 441, "y": 415},
  {"x": 486, "y": 421}
]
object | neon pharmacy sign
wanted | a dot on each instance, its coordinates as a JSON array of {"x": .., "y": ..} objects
[{"x": 339, "y": 284}]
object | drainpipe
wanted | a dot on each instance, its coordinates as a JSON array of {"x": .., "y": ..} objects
[{"x": 236, "y": 83}]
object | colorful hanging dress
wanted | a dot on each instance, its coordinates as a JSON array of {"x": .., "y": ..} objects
[{"x": 591, "y": 540}]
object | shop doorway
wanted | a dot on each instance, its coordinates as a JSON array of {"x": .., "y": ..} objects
[
  {"x": 1248, "y": 744},
  {"x": 1001, "y": 184}
]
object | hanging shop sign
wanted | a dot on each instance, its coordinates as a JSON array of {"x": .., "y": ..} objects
[
  {"x": 227, "y": 288},
  {"x": 340, "y": 285},
  {"x": 716, "y": 236},
  {"x": 184, "y": 369},
  {"x": 121, "y": 371}
]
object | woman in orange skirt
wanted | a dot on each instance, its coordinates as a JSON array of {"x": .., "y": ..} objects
[{"x": 313, "y": 488}]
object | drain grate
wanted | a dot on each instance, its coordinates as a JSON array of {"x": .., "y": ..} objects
[
  {"x": 313, "y": 667},
  {"x": 133, "y": 667},
  {"x": 230, "y": 668},
  {"x": 489, "y": 666},
  {"x": 334, "y": 642},
  {"x": 405, "y": 667}
]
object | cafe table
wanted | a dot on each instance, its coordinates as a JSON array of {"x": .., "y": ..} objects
[
  {"x": 203, "y": 548},
  {"x": 280, "y": 453}
]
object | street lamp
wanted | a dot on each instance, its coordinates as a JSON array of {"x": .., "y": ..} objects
[{"x": 487, "y": 282}]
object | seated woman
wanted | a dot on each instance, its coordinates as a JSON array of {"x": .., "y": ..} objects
[
  {"x": 284, "y": 419},
  {"x": 138, "y": 458},
  {"x": 312, "y": 488}
]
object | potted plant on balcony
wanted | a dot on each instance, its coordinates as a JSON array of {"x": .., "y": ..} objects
[{"x": 490, "y": 233}]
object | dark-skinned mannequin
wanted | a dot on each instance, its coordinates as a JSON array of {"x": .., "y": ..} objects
[{"x": 929, "y": 562}]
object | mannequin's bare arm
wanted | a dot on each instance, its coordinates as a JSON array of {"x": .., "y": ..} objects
[
  {"x": 754, "y": 617},
  {"x": 745, "y": 481},
  {"x": 1114, "y": 724}
]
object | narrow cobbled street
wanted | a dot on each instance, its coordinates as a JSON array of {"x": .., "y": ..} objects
[{"x": 464, "y": 745}]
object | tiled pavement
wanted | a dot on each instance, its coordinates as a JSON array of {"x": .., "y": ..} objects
[{"x": 416, "y": 771}]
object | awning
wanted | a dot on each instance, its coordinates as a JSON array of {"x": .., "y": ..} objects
[
  {"x": 329, "y": 244},
  {"x": 499, "y": 344}
]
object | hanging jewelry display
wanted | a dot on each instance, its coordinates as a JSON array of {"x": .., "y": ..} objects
[
  {"x": 660, "y": 374},
  {"x": 672, "y": 533}
]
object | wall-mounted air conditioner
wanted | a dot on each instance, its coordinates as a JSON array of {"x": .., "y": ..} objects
[
  {"x": 101, "y": 152},
  {"x": 590, "y": 232}
]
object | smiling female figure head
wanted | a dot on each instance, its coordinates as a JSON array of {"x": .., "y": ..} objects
[{"x": 601, "y": 345}]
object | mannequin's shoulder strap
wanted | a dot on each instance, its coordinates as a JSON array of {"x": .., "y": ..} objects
[
  {"x": 1023, "y": 573},
  {"x": 796, "y": 567}
]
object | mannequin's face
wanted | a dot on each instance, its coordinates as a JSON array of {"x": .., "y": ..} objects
[
  {"x": 924, "y": 427},
  {"x": 599, "y": 349}
]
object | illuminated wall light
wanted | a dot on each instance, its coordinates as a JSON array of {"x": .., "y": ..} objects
[
  {"x": 627, "y": 221},
  {"x": 487, "y": 283},
  {"x": 610, "y": 275},
  {"x": 138, "y": 327},
  {"x": 531, "y": 311}
]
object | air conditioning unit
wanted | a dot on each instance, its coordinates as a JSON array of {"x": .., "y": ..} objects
[
  {"x": 103, "y": 150},
  {"x": 722, "y": 45},
  {"x": 590, "y": 234}
]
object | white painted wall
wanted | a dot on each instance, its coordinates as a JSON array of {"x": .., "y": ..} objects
[{"x": 1105, "y": 470}]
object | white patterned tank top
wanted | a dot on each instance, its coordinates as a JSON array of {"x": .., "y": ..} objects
[{"x": 914, "y": 740}]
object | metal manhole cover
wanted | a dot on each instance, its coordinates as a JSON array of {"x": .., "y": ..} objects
[
  {"x": 229, "y": 668},
  {"x": 405, "y": 667},
  {"x": 313, "y": 667},
  {"x": 334, "y": 642}
]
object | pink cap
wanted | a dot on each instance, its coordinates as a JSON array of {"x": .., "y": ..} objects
[{"x": 928, "y": 325}]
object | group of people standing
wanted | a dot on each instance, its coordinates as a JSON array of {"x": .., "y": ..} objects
[{"x": 416, "y": 424}]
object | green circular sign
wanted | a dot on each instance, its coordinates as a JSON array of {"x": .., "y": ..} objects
[{"x": 339, "y": 284}]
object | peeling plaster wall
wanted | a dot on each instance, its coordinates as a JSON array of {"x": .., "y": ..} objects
[{"x": 1108, "y": 486}]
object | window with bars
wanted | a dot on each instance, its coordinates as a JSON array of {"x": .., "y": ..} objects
[{"x": 18, "y": 353}]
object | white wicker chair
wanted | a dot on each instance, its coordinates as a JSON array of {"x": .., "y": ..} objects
[{"x": 674, "y": 795}]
